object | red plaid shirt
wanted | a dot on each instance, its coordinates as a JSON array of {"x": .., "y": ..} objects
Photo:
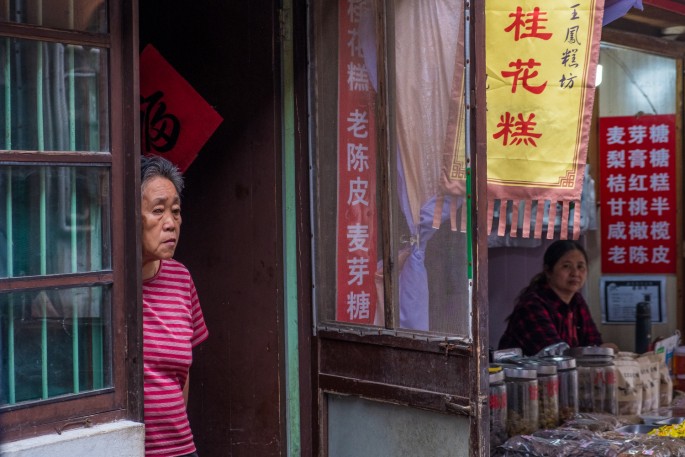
[{"x": 541, "y": 318}]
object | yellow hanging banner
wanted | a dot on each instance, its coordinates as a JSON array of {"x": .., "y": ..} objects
[{"x": 541, "y": 59}]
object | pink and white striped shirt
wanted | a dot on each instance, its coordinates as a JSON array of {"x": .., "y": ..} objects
[{"x": 173, "y": 325}]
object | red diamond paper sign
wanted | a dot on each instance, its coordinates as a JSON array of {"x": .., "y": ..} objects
[{"x": 175, "y": 120}]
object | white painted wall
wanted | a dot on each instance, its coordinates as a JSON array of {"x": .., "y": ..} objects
[{"x": 116, "y": 439}]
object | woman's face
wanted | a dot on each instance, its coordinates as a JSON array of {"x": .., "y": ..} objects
[
  {"x": 568, "y": 274},
  {"x": 161, "y": 214}
]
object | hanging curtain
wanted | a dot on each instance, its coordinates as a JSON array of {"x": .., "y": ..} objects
[
  {"x": 429, "y": 68},
  {"x": 615, "y": 9}
]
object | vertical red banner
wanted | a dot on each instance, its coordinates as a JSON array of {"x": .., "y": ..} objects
[
  {"x": 638, "y": 194},
  {"x": 356, "y": 225}
]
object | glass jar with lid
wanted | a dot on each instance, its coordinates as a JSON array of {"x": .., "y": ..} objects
[
  {"x": 548, "y": 388},
  {"x": 548, "y": 392},
  {"x": 568, "y": 386},
  {"x": 498, "y": 406},
  {"x": 522, "y": 400},
  {"x": 597, "y": 380}
]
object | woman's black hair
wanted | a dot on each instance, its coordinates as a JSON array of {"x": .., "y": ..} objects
[
  {"x": 553, "y": 253},
  {"x": 556, "y": 251},
  {"x": 153, "y": 166}
]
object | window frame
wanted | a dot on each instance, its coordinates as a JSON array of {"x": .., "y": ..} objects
[
  {"x": 389, "y": 215},
  {"x": 424, "y": 370},
  {"x": 124, "y": 399}
]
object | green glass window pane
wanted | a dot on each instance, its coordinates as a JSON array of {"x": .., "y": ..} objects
[
  {"x": 85, "y": 15},
  {"x": 54, "y": 220},
  {"x": 53, "y": 97},
  {"x": 54, "y": 342}
]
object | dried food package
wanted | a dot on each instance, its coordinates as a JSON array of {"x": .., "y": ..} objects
[
  {"x": 629, "y": 384},
  {"x": 533, "y": 446},
  {"x": 565, "y": 434},
  {"x": 595, "y": 447},
  {"x": 665, "y": 383},
  {"x": 595, "y": 422},
  {"x": 653, "y": 446},
  {"x": 561, "y": 443},
  {"x": 649, "y": 373}
]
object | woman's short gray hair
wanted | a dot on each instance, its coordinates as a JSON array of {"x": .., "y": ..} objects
[{"x": 153, "y": 166}]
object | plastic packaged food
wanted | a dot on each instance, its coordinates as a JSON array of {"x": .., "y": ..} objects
[
  {"x": 629, "y": 384},
  {"x": 595, "y": 422},
  {"x": 649, "y": 374}
]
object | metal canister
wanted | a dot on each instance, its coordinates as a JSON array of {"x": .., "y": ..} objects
[
  {"x": 522, "y": 400},
  {"x": 568, "y": 386},
  {"x": 498, "y": 406}
]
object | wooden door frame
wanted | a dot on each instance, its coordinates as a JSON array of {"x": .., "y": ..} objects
[{"x": 448, "y": 377}]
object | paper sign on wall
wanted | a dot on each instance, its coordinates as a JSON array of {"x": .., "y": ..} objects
[{"x": 638, "y": 194}]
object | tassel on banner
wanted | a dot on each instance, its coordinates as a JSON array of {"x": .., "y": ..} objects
[
  {"x": 563, "y": 231},
  {"x": 551, "y": 219},
  {"x": 539, "y": 218},
  {"x": 525, "y": 232},
  {"x": 515, "y": 209},
  {"x": 502, "y": 228},
  {"x": 532, "y": 213},
  {"x": 576, "y": 220},
  {"x": 457, "y": 213},
  {"x": 491, "y": 216},
  {"x": 453, "y": 213},
  {"x": 437, "y": 211}
]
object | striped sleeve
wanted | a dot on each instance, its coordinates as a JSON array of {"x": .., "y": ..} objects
[{"x": 200, "y": 332}]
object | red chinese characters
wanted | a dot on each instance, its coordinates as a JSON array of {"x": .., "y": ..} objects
[
  {"x": 356, "y": 229},
  {"x": 638, "y": 194},
  {"x": 528, "y": 25},
  {"x": 524, "y": 72},
  {"x": 176, "y": 120},
  {"x": 516, "y": 129}
]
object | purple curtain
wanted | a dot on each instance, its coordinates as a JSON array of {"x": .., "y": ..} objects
[{"x": 614, "y": 9}]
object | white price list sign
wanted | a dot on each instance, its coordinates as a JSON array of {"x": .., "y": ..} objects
[{"x": 621, "y": 294}]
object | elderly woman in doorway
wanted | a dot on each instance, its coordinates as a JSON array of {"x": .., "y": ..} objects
[
  {"x": 551, "y": 310},
  {"x": 173, "y": 323}
]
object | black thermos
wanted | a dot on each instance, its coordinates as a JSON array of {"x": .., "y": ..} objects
[{"x": 643, "y": 325}]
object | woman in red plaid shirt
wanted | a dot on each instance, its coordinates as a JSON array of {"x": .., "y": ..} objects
[{"x": 551, "y": 309}]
